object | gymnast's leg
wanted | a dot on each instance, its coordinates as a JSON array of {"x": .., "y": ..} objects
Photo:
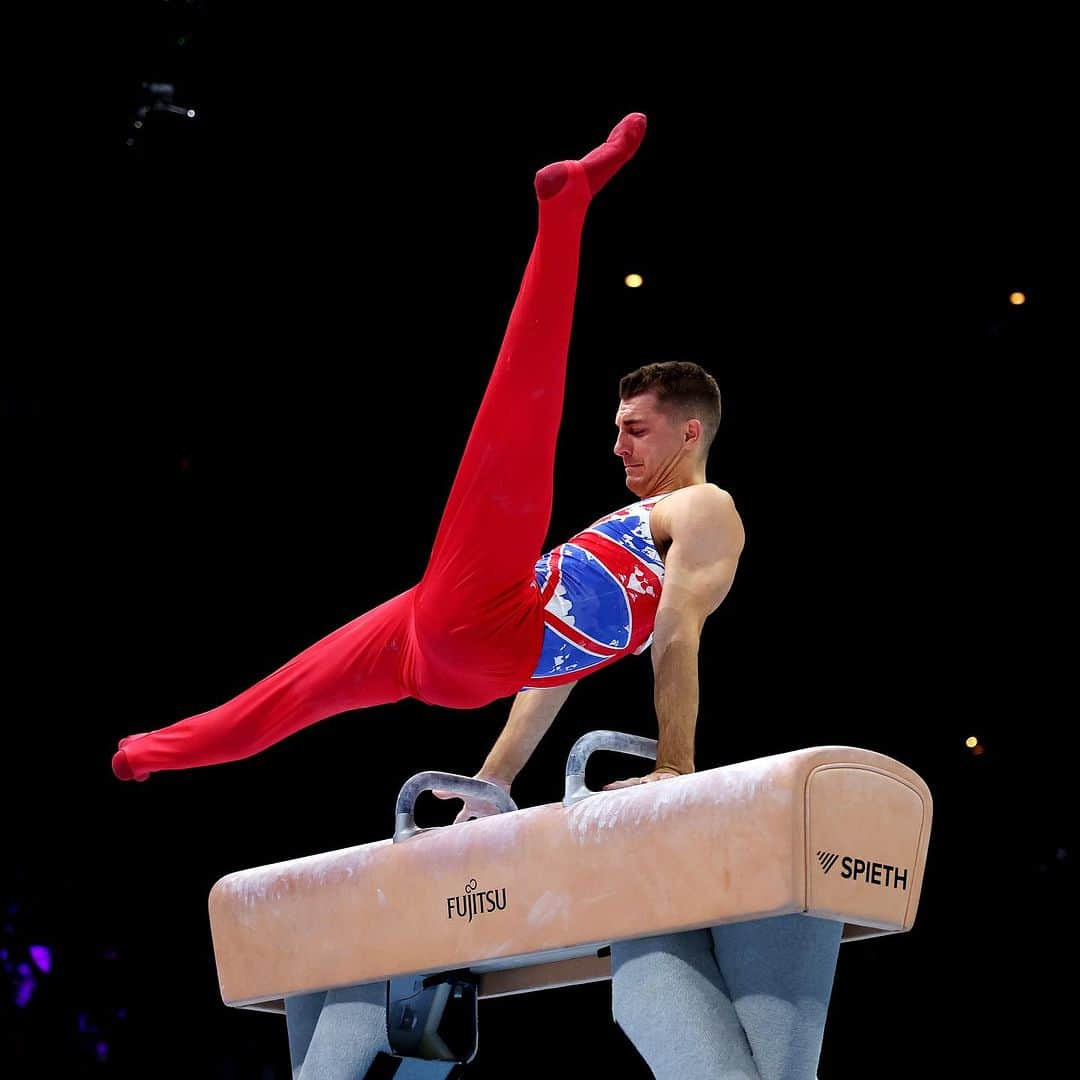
[
  {"x": 477, "y": 608},
  {"x": 779, "y": 972},
  {"x": 363, "y": 663},
  {"x": 670, "y": 1001},
  {"x": 457, "y": 638}
]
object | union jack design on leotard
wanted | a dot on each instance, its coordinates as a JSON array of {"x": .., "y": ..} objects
[{"x": 600, "y": 590}]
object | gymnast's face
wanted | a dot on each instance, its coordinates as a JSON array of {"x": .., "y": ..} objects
[{"x": 651, "y": 444}]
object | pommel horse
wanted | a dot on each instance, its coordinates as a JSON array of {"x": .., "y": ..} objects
[{"x": 381, "y": 952}]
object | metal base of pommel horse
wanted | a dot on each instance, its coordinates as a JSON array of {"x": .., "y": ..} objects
[{"x": 387, "y": 948}]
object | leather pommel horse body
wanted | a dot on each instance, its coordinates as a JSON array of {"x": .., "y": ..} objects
[{"x": 531, "y": 898}]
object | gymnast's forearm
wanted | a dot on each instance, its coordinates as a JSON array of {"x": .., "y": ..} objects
[
  {"x": 675, "y": 694},
  {"x": 530, "y": 717}
]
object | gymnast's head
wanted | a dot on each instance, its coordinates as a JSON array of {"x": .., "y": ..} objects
[{"x": 667, "y": 419}]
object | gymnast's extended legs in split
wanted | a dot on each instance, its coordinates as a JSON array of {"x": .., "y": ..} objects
[{"x": 470, "y": 631}]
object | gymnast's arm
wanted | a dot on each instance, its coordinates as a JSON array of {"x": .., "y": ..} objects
[
  {"x": 707, "y": 538},
  {"x": 530, "y": 717}
]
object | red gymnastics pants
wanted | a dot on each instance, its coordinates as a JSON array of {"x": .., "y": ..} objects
[{"x": 471, "y": 631}]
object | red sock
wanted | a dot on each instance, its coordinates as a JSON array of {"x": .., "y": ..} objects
[
  {"x": 122, "y": 769},
  {"x": 600, "y": 164}
]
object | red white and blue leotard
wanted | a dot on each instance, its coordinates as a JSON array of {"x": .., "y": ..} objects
[{"x": 600, "y": 591}]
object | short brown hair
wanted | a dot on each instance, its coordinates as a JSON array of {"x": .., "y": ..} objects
[{"x": 683, "y": 389}]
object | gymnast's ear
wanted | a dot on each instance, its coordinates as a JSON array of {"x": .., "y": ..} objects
[{"x": 694, "y": 433}]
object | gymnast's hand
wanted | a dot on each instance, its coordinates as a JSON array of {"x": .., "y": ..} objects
[
  {"x": 475, "y": 807},
  {"x": 659, "y": 774}
]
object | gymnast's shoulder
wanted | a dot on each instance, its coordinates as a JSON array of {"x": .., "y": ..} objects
[{"x": 697, "y": 508}]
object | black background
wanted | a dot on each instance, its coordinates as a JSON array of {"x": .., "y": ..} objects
[{"x": 245, "y": 351}]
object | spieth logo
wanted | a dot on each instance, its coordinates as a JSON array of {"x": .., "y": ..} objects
[
  {"x": 870, "y": 872},
  {"x": 827, "y": 858},
  {"x": 473, "y": 902}
]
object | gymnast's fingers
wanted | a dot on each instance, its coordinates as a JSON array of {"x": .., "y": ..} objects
[{"x": 634, "y": 780}]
